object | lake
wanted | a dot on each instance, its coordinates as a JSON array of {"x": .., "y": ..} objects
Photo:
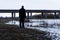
[{"x": 48, "y": 25}]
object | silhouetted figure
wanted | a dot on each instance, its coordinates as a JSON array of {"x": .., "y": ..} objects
[{"x": 22, "y": 16}]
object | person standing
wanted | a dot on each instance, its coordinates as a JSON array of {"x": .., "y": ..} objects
[{"x": 22, "y": 16}]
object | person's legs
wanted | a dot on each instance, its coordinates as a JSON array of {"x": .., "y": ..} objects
[
  {"x": 23, "y": 23},
  {"x": 20, "y": 24}
]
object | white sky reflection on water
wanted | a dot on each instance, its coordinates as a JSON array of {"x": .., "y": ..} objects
[
  {"x": 53, "y": 30},
  {"x": 17, "y": 14},
  {"x": 48, "y": 29}
]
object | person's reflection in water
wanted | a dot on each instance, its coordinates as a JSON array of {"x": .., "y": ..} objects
[{"x": 22, "y": 16}]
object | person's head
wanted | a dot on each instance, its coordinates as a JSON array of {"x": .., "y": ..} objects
[{"x": 22, "y": 7}]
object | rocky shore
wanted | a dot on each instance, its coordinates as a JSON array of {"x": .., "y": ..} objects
[{"x": 13, "y": 32}]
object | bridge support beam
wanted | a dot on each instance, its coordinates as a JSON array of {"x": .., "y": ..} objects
[
  {"x": 54, "y": 14},
  {"x": 42, "y": 14},
  {"x": 59, "y": 15},
  {"x": 28, "y": 15},
  {"x": 31, "y": 14},
  {"x": 45, "y": 15},
  {"x": 13, "y": 17},
  {"x": 12, "y": 14}
]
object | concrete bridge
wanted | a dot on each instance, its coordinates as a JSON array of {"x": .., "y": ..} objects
[{"x": 43, "y": 12}]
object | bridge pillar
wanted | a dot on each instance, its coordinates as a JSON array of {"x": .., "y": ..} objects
[
  {"x": 54, "y": 14},
  {"x": 42, "y": 14},
  {"x": 31, "y": 14},
  {"x": 45, "y": 15},
  {"x": 14, "y": 17},
  {"x": 59, "y": 15},
  {"x": 28, "y": 15}
]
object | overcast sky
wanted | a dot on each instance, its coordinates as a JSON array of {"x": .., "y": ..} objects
[{"x": 30, "y": 4}]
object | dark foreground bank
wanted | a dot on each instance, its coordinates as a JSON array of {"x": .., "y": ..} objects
[{"x": 11, "y": 32}]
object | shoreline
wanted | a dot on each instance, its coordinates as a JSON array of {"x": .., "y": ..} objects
[{"x": 13, "y": 32}]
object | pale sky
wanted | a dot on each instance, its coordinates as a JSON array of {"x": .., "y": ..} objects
[{"x": 30, "y": 4}]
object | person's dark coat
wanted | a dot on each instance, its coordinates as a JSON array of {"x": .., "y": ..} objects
[{"x": 22, "y": 14}]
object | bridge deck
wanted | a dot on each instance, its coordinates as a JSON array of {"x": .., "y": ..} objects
[{"x": 16, "y": 11}]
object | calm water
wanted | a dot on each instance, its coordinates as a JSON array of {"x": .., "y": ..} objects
[{"x": 53, "y": 26}]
